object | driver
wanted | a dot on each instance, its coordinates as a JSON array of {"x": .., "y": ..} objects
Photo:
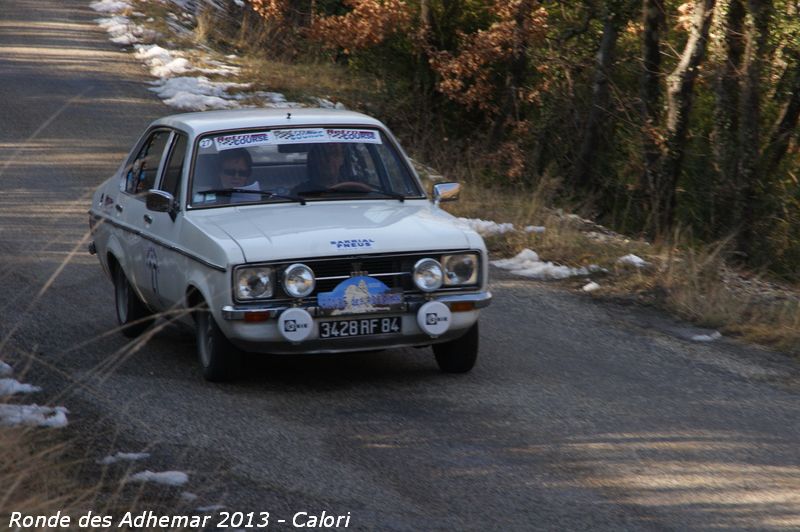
[{"x": 327, "y": 166}]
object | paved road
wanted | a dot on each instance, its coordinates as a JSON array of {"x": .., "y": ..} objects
[{"x": 579, "y": 415}]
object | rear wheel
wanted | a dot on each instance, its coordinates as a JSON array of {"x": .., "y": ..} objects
[
  {"x": 133, "y": 315},
  {"x": 459, "y": 355},
  {"x": 219, "y": 359}
]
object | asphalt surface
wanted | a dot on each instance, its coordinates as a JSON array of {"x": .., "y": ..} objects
[{"x": 579, "y": 415}]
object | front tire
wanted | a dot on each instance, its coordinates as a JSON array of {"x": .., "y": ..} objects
[
  {"x": 459, "y": 355},
  {"x": 220, "y": 360},
  {"x": 133, "y": 315}
]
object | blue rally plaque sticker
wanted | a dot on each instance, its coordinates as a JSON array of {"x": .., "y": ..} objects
[{"x": 360, "y": 295}]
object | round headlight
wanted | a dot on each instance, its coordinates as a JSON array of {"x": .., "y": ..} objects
[
  {"x": 298, "y": 280},
  {"x": 460, "y": 269},
  {"x": 428, "y": 275},
  {"x": 254, "y": 283}
]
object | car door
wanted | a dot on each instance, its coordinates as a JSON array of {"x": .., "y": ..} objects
[
  {"x": 139, "y": 176},
  {"x": 163, "y": 264}
]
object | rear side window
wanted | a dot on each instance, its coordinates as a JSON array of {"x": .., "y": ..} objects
[
  {"x": 172, "y": 173},
  {"x": 140, "y": 175}
]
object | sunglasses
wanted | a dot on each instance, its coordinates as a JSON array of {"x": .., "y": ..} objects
[{"x": 234, "y": 172}]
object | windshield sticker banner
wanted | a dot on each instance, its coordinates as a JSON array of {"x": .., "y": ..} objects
[
  {"x": 354, "y": 135},
  {"x": 360, "y": 295},
  {"x": 229, "y": 142},
  {"x": 299, "y": 136}
]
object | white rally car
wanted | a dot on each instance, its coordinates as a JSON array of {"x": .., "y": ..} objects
[{"x": 287, "y": 231}]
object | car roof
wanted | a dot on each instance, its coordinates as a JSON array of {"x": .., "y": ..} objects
[{"x": 207, "y": 121}]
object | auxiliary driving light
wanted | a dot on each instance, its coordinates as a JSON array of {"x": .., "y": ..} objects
[
  {"x": 298, "y": 280},
  {"x": 428, "y": 275}
]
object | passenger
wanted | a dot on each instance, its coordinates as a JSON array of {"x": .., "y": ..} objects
[
  {"x": 235, "y": 171},
  {"x": 235, "y": 168}
]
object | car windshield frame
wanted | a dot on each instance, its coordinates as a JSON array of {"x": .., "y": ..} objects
[{"x": 386, "y": 138}]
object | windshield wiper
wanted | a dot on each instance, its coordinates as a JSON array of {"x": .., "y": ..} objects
[
  {"x": 231, "y": 191},
  {"x": 319, "y": 191}
]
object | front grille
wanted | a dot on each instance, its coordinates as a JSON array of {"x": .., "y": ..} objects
[
  {"x": 378, "y": 266},
  {"x": 394, "y": 270}
]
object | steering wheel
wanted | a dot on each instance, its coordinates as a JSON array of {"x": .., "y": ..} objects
[{"x": 353, "y": 184}]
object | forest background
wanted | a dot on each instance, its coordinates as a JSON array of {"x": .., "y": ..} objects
[{"x": 651, "y": 116}]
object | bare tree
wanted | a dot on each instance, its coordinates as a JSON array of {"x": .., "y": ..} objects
[
  {"x": 726, "y": 111},
  {"x": 680, "y": 97},
  {"x": 650, "y": 90},
  {"x": 756, "y": 51},
  {"x": 615, "y": 16}
]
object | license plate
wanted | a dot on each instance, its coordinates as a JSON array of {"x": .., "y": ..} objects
[{"x": 360, "y": 327}]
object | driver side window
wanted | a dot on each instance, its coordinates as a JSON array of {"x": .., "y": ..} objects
[{"x": 140, "y": 175}]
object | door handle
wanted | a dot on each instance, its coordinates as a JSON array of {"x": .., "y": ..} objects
[
  {"x": 148, "y": 219},
  {"x": 119, "y": 207}
]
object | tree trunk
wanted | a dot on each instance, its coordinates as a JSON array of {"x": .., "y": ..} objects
[
  {"x": 755, "y": 182},
  {"x": 650, "y": 92},
  {"x": 726, "y": 113},
  {"x": 583, "y": 172},
  {"x": 785, "y": 125},
  {"x": 680, "y": 96}
]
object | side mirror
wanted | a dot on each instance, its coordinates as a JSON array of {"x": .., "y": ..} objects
[
  {"x": 160, "y": 201},
  {"x": 446, "y": 192}
]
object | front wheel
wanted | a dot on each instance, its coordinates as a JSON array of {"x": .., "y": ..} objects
[
  {"x": 219, "y": 359},
  {"x": 459, "y": 355},
  {"x": 133, "y": 315}
]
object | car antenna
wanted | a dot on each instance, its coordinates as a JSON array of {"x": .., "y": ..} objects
[{"x": 288, "y": 116}]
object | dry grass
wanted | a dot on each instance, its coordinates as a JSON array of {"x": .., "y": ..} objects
[
  {"x": 693, "y": 282},
  {"x": 566, "y": 239},
  {"x": 322, "y": 79},
  {"x": 34, "y": 476},
  {"x": 43, "y": 472}
]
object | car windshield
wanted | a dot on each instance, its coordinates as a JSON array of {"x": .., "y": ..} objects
[{"x": 314, "y": 164}]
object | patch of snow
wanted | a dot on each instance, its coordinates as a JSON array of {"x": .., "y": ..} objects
[
  {"x": 324, "y": 103},
  {"x": 109, "y": 6},
  {"x": 486, "y": 227},
  {"x": 274, "y": 99},
  {"x": 527, "y": 264},
  {"x": 168, "y": 478},
  {"x": 210, "y": 508},
  {"x": 706, "y": 337},
  {"x": 162, "y": 63},
  {"x": 12, "y": 386},
  {"x": 590, "y": 287},
  {"x": 197, "y": 93},
  {"x": 119, "y": 28},
  {"x": 5, "y": 369},
  {"x": 633, "y": 260},
  {"x": 534, "y": 229},
  {"x": 220, "y": 69},
  {"x": 189, "y": 101},
  {"x": 188, "y": 496},
  {"x": 33, "y": 415},
  {"x": 120, "y": 457}
]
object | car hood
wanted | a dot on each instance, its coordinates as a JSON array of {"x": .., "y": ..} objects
[{"x": 293, "y": 231}]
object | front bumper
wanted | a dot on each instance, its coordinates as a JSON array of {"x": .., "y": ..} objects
[
  {"x": 255, "y": 329},
  {"x": 233, "y": 313}
]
